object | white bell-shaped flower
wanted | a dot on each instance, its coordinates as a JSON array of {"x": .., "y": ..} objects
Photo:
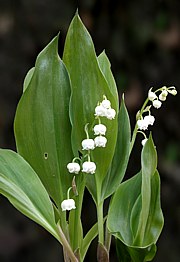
[
  {"x": 164, "y": 93},
  {"x": 151, "y": 95},
  {"x": 89, "y": 167},
  {"x": 162, "y": 97},
  {"x": 173, "y": 92},
  {"x": 100, "y": 110},
  {"x": 99, "y": 129},
  {"x": 88, "y": 144},
  {"x": 110, "y": 113},
  {"x": 143, "y": 142},
  {"x": 149, "y": 119},
  {"x": 106, "y": 103},
  {"x": 68, "y": 204},
  {"x": 73, "y": 168},
  {"x": 156, "y": 103},
  {"x": 142, "y": 124},
  {"x": 100, "y": 141}
]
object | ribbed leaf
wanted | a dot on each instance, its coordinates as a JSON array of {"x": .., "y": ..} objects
[
  {"x": 88, "y": 88},
  {"x": 121, "y": 155},
  {"x": 23, "y": 188},
  {"x": 42, "y": 126}
]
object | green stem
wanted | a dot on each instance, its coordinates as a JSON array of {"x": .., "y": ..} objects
[
  {"x": 136, "y": 127},
  {"x": 100, "y": 222},
  {"x": 107, "y": 239},
  {"x": 66, "y": 246},
  {"x": 77, "y": 215}
]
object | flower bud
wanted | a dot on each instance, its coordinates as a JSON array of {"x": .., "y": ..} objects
[
  {"x": 151, "y": 95},
  {"x": 89, "y": 167},
  {"x": 110, "y": 113},
  {"x": 143, "y": 142},
  {"x": 99, "y": 129},
  {"x": 73, "y": 168},
  {"x": 149, "y": 119},
  {"x": 173, "y": 92},
  {"x": 68, "y": 204},
  {"x": 106, "y": 103},
  {"x": 88, "y": 144},
  {"x": 100, "y": 111},
  {"x": 156, "y": 103},
  {"x": 100, "y": 141},
  {"x": 142, "y": 124}
]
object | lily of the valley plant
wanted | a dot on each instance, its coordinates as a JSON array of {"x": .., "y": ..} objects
[{"x": 71, "y": 135}]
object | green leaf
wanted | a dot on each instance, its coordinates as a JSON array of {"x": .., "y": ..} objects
[
  {"x": 127, "y": 254},
  {"x": 23, "y": 188},
  {"x": 148, "y": 164},
  {"x": 105, "y": 67},
  {"x": 88, "y": 88},
  {"x": 121, "y": 155},
  {"x": 135, "y": 215},
  {"x": 42, "y": 125},
  {"x": 28, "y": 78}
]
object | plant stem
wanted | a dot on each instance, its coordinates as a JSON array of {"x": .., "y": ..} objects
[
  {"x": 136, "y": 127},
  {"x": 66, "y": 247},
  {"x": 100, "y": 222},
  {"x": 107, "y": 239},
  {"x": 77, "y": 217}
]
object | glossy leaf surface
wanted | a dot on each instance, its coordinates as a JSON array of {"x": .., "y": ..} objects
[
  {"x": 88, "y": 87},
  {"x": 138, "y": 226},
  {"x": 23, "y": 188},
  {"x": 42, "y": 125},
  {"x": 121, "y": 155}
]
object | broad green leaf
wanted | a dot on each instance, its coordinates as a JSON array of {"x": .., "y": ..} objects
[
  {"x": 42, "y": 125},
  {"x": 127, "y": 254},
  {"x": 105, "y": 66},
  {"x": 28, "y": 78},
  {"x": 23, "y": 188},
  {"x": 135, "y": 215},
  {"x": 148, "y": 164},
  {"x": 88, "y": 87},
  {"x": 121, "y": 155}
]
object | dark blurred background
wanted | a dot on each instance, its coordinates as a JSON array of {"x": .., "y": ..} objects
[{"x": 142, "y": 40}]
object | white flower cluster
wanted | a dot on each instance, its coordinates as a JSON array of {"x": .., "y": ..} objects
[
  {"x": 143, "y": 123},
  {"x": 162, "y": 96},
  {"x": 102, "y": 110}
]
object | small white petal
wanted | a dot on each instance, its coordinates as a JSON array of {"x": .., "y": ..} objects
[
  {"x": 156, "y": 103},
  {"x": 100, "y": 141},
  {"x": 142, "y": 124},
  {"x": 73, "y": 168},
  {"x": 143, "y": 142},
  {"x": 164, "y": 93},
  {"x": 149, "y": 119},
  {"x": 88, "y": 144},
  {"x": 89, "y": 167},
  {"x": 100, "y": 111},
  {"x": 110, "y": 113},
  {"x": 106, "y": 103},
  {"x": 162, "y": 97},
  {"x": 100, "y": 129},
  {"x": 151, "y": 95},
  {"x": 68, "y": 204}
]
